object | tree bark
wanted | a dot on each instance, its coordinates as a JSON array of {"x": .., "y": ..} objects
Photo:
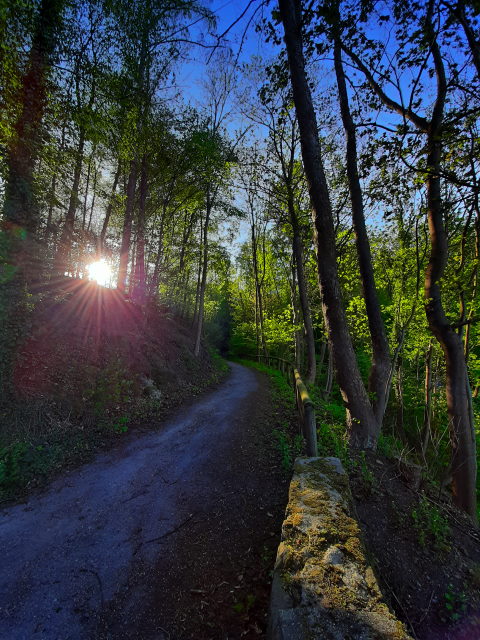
[
  {"x": 462, "y": 433},
  {"x": 427, "y": 414},
  {"x": 363, "y": 427},
  {"x": 66, "y": 238},
  {"x": 20, "y": 207},
  {"x": 109, "y": 210},
  {"x": 258, "y": 291},
  {"x": 127, "y": 227},
  {"x": 203, "y": 283},
  {"x": 139, "y": 290},
  {"x": 295, "y": 319},
  {"x": 380, "y": 368},
  {"x": 19, "y": 264},
  {"x": 297, "y": 248}
]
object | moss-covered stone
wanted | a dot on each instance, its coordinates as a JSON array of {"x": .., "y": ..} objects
[{"x": 323, "y": 586}]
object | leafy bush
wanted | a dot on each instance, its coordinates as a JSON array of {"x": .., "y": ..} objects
[{"x": 430, "y": 525}]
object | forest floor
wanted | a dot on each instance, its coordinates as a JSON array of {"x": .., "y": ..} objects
[
  {"x": 171, "y": 535},
  {"x": 425, "y": 553}
]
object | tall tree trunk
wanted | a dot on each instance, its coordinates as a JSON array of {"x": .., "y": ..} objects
[
  {"x": 258, "y": 291},
  {"x": 155, "y": 281},
  {"x": 399, "y": 417},
  {"x": 51, "y": 204},
  {"x": 302, "y": 292},
  {"x": 20, "y": 207},
  {"x": 92, "y": 204},
  {"x": 380, "y": 369},
  {"x": 85, "y": 197},
  {"x": 296, "y": 332},
  {"x": 462, "y": 433},
  {"x": 139, "y": 291},
  {"x": 109, "y": 210},
  {"x": 203, "y": 283},
  {"x": 19, "y": 264},
  {"x": 363, "y": 427},
  {"x": 66, "y": 238},
  {"x": 199, "y": 276},
  {"x": 127, "y": 227},
  {"x": 473, "y": 284},
  {"x": 427, "y": 413},
  {"x": 329, "y": 378}
]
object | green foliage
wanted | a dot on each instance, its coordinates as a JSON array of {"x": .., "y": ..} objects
[
  {"x": 431, "y": 526},
  {"x": 368, "y": 478},
  {"x": 245, "y": 605},
  {"x": 24, "y": 463},
  {"x": 289, "y": 448},
  {"x": 331, "y": 441},
  {"x": 388, "y": 445},
  {"x": 455, "y": 603},
  {"x": 110, "y": 389}
]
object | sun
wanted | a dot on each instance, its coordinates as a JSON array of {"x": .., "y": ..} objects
[{"x": 100, "y": 272}]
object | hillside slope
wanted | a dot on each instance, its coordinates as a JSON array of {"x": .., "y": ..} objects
[{"x": 90, "y": 366}]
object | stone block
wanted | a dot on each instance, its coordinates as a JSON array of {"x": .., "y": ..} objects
[{"x": 323, "y": 587}]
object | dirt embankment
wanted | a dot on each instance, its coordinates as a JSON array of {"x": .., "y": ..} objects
[{"x": 90, "y": 367}]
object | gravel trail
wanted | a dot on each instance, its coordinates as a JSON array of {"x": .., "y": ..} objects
[{"x": 89, "y": 541}]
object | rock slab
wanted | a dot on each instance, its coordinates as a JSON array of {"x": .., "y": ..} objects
[{"x": 323, "y": 587}]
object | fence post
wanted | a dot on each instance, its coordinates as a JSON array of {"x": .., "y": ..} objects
[{"x": 310, "y": 430}]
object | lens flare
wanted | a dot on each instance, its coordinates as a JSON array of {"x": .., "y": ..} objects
[{"x": 100, "y": 272}]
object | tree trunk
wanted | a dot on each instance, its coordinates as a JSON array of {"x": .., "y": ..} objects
[
  {"x": 139, "y": 292},
  {"x": 399, "y": 418},
  {"x": 203, "y": 283},
  {"x": 427, "y": 414},
  {"x": 302, "y": 292},
  {"x": 109, "y": 210},
  {"x": 199, "y": 277},
  {"x": 363, "y": 427},
  {"x": 20, "y": 207},
  {"x": 296, "y": 332},
  {"x": 19, "y": 264},
  {"x": 51, "y": 205},
  {"x": 85, "y": 197},
  {"x": 462, "y": 433},
  {"x": 380, "y": 369},
  {"x": 127, "y": 227},
  {"x": 329, "y": 378},
  {"x": 92, "y": 205},
  {"x": 258, "y": 293},
  {"x": 65, "y": 243}
]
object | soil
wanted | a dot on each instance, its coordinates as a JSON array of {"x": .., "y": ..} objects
[
  {"x": 426, "y": 554},
  {"x": 171, "y": 535}
]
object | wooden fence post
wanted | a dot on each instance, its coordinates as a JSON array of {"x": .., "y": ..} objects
[{"x": 310, "y": 430}]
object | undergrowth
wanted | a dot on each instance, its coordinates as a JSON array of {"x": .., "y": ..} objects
[{"x": 39, "y": 437}]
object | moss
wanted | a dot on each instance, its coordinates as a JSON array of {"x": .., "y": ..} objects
[
  {"x": 294, "y": 519},
  {"x": 354, "y": 547},
  {"x": 318, "y": 516}
]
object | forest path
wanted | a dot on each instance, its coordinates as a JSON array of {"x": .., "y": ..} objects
[{"x": 157, "y": 538}]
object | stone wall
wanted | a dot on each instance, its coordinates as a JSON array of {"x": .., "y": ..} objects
[{"x": 323, "y": 587}]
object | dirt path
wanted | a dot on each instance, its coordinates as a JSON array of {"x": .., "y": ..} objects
[{"x": 169, "y": 536}]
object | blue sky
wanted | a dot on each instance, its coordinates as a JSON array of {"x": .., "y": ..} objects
[{"x": 189, "y": 77}]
